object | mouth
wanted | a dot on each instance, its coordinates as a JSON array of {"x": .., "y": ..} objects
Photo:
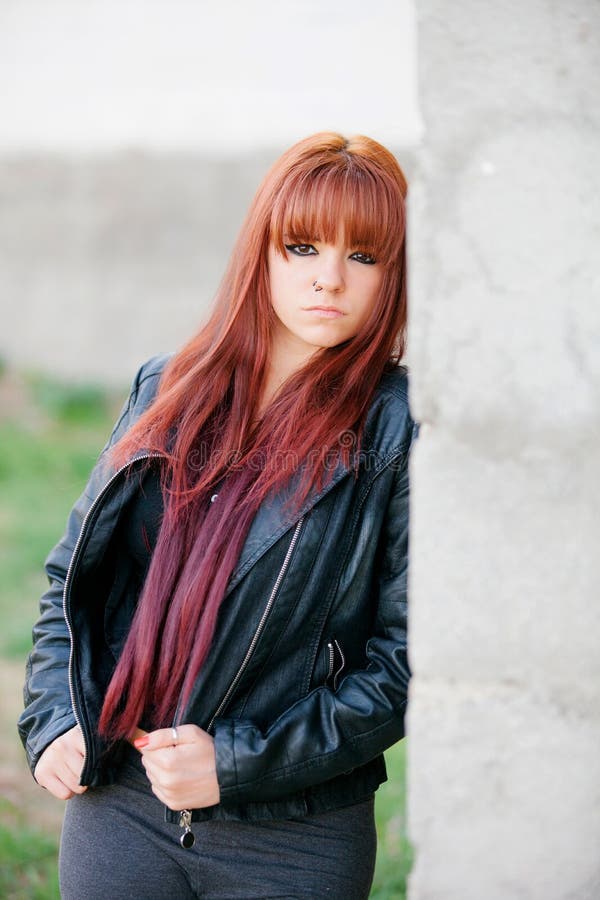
[{"x": 329, "y": 312}]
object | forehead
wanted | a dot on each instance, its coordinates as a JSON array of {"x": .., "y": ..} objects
[{"x": 339, "y": 205}]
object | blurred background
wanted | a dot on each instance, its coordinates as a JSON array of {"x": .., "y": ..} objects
[{"x": 133, "y": 135}]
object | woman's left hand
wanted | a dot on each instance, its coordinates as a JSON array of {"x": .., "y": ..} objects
[{"x": 182, "y": 775}]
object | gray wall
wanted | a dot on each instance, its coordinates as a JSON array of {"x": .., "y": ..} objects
[
  {"x": 504, "y": 718},
  {"x": 107, "y": 260}
]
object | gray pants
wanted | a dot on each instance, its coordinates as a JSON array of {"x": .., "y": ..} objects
[{"x": 115, "y": 844}]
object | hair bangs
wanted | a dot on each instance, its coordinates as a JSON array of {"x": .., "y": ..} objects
[{"x": 345, "y": 201}]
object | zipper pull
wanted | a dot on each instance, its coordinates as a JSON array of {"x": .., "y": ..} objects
[
  {"x": 333, "y": 674},
  {"x": 187, "y": 839},
  {"x": 339, "y": 671}
]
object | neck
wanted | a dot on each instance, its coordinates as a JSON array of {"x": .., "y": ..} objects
[{"x": 285, "y": 359}]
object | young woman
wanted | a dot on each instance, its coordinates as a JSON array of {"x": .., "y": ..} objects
[{"x": 221, "y": 657}]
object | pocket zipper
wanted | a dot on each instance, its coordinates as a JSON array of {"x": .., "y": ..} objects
[{"x": 333, "y": 673}]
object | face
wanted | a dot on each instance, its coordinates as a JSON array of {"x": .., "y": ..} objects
[{"x": 308, "y": 318}]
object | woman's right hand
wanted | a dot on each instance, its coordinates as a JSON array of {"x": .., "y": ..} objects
[{"x": 59, "y": 767}]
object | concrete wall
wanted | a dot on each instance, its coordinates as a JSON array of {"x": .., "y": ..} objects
[
  {"x": 132, "y": 137},
  {"x": 504, "y": 720}
]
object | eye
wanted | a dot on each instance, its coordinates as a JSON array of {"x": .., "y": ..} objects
[
  {"x": 301, "y": 249},
  {"x": 364, "y": 258}
]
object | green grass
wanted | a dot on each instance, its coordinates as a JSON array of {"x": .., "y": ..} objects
[
  {"x": 394, "y": 854},
  {"x": 44, "y": 465},
  {"x": 45, "y": 459},
  {"x": 27, "y": 859}
]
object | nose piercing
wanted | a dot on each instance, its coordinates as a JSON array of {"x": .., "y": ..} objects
[{"x": 317, "y": 287}]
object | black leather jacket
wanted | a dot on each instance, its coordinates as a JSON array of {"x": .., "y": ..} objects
[{"x": 306, "y": 681}]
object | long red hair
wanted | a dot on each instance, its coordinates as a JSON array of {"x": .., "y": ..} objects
[{"x": 203, "y": 420}]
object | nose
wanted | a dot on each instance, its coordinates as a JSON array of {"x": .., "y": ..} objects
[{"x": 330, "y": 272}]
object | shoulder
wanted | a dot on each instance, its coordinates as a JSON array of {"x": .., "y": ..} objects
[
  {"x": 390, "y": 426},
  {"x": 395, "y": 382},
  {"x": 152, "y": 368},
  {"x": 145, "y": 384},
  {"x": 141, "y": 394}
]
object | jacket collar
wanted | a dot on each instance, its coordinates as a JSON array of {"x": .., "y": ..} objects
[{"x": 272, "y": 519}]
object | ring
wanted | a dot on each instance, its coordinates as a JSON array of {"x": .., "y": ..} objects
[{"x": 174, "y": 735}]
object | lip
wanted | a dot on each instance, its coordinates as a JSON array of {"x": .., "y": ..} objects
[{"x": 327, "y": 312}]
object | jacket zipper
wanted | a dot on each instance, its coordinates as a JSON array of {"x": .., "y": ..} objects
[
  {"x": 261, "y": 625},
  {"x": 185, "y": 815},
  {"x": 257, "y": 633},
  {"x": 67, "y": 586}
]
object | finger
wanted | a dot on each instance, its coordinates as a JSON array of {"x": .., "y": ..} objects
[
  {"x": 165, "y": 737},
  {"x": 74, "y": 752},
  {"x": 137, "y": 735},
  {"x": 70, "y": 756},
  {"x": 161, "y": 764},
  {"x": 156, "y": 779},
  {"x": 58, "y": 789},
  {"x": 78, "y": 744},
  {"x": 70, "y": 777},
  {"x": 70, "y": 773},
  {"x": 56, "y": 786},
  {"x": 166, "y": 798},
  {"x": 69, "y": 744}
]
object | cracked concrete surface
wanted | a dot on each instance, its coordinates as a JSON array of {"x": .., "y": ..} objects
[{"x": 504, "y": 713}]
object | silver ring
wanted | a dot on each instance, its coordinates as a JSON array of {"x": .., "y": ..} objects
[
  {"x": 174, "y": 735},
  {"x": 317, "y": 289}
]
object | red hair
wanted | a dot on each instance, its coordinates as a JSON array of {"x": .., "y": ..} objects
[{"x": 207, "y": 405}]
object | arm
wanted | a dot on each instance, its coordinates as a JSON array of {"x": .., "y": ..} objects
[
  {"x": 48, "y": 712},
  {"x": 331, "y": 732}
]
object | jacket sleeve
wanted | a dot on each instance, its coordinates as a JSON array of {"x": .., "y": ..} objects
[
  {"x": 48, "y": 711},
  {"x": 331, "y": 732}
]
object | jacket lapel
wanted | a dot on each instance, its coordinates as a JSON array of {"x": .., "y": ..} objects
[{"x": 272, "y": 521}]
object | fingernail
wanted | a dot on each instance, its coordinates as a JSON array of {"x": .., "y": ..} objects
[{"x": 140, "y": 743}]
